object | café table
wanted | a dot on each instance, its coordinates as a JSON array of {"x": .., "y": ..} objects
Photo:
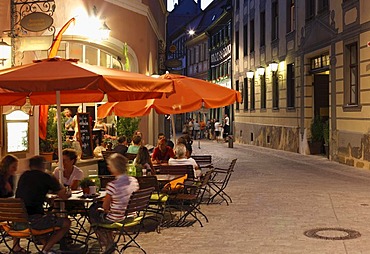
[
  {"x": 76, "y": 205},
  {"x": 165, "y": 178}
]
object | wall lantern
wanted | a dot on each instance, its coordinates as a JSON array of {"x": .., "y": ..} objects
[
  {"x": 274, "y": 66},
  {"x": 5, "y": 51},
  {"x": 104, "y": 31},
  {"x": 260, "y": 71},
  {"x": 250, "y": 74}
]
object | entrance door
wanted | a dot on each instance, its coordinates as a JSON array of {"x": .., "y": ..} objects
[{"x": 321, "y": 96}]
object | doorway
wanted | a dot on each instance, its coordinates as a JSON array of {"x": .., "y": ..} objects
[{"x": 321, "y": 96}]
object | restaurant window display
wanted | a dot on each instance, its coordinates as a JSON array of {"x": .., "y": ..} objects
[{"x": 16, "y": 131}]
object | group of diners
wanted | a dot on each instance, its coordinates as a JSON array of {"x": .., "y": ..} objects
[{"x": 35, "y": 182}]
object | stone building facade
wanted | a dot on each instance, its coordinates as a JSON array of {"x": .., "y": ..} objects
[{"x": 321, "y": 48}]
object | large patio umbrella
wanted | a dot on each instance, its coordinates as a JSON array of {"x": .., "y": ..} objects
[
  {"x": 191, "y": 94},
  {"x": 56, "y": 81}
]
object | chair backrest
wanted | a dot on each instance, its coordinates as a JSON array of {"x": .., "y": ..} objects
[
  {"x": 130, "y": 156},
  {"x": 202, "y": 158},
  {"x": 177, "y": 170},
  {"x": 139, "y": 201},
  {"x": 148, "y": 182},
  {"x": 13, "y": 210},
  {"x": 104, "y": 180},
  {"x": 106, "y": 154}
]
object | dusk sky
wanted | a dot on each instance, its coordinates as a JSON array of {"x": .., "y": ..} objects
[{"x": 170, "y": 3}]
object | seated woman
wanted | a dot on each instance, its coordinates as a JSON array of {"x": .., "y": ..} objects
[
  {"x": 118, "y": 193},
  {"x": 72, "y": 175},
  {"x": 8, "y": 167},
  {"x": 98, "y": 151},
  {"x": 134, "y": 148},
  {"x": 143, "y": 159},
  {"x": 180, "y": 152},
  {"x": 100, "y": 124},
  {"x": 162, "y": 153}
]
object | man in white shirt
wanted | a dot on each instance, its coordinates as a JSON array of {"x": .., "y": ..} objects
[
  {"x": 181, "y": 159},
  {"x": 218, "y": 129}
]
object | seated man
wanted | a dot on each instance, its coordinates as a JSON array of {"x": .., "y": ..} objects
[
  {"x": 33, "y": 186},
  {"x": 122, "y": 145},
  {"x": 180, "y": 152},
  {"x": 162, "y": 153}
]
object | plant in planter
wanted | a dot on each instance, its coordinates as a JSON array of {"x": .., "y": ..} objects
[
  {"x": 49, "y": 145},
  {"x": 317, "y": 135},
  {"x": 85, "y": 185}
]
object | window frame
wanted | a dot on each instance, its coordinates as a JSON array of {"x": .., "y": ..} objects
[
  {"x": 245, "y": 95},
  {"x": 275, "y": 90},
  {"x": 290, "y": 86},
  {"x": 252, "y": 95},
  {"x": 349, "y": 101},
  {"x": 6, "y": 142},
  {"x": 275, "y": 20},
  {"x": 263, "y": 94}
]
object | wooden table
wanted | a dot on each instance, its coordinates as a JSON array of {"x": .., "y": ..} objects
[{"x": 165, "y": 178}]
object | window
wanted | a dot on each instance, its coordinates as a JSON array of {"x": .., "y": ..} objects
[
  {"x": 237, "y": 89},
  {"x": 236, "y": 45},
  {"x": 263, "y": 91},
  {"x": 253, "y": 98},
  {"x": 245, "y": 95},
  {"x": 323, "y": 5},
  {"x": 237, "y": 4},
  {"x": 275, "y": 90},
  {"x": 16, "y": 130},
  {"x": 262, "y": 29},
  {"x": 290, "y": 86},
  {"x": 351, "y": 74},
  {"x": 251, "y": 37},
  {"x": 245, "y": 39},
  {"x": 275, "y": 21},
  {"x": 290, "y": 16},
  {"x": 310, "y": 9}
]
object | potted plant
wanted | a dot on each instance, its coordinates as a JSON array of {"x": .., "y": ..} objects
[
  {"x": 317, "y": 135},
  {"x": 48, "y": 145},
  {"x": 85, "y": 185},
  {"x": 127, "y": 126},
  {"x": 326, "y": 133}
]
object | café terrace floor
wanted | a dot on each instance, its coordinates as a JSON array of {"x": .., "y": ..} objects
[{"x": 277, "y": 197}]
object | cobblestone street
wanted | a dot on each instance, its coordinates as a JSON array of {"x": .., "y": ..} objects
[{"x": 277, "y": 196}]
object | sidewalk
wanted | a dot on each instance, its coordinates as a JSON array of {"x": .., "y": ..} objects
[{"x": 277, "y": 196}]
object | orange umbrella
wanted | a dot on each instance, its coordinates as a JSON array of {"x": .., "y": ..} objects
[
  {"x": 77, "y": 83},
  {"x": 190, "y": 95},
  {"x": 56, "y": 81}
]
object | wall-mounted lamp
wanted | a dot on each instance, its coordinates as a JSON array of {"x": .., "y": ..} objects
[
  {"x": 191, "y": 32},
  {"x": 104, "y": 31},
  {"x": 261, "y": 71},
  {"x": 274, "y": 66},
  {"x": 250, "y": 74},
  {"x": 5, "y": 51}
]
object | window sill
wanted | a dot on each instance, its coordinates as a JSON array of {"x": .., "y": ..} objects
[
  {"x": 291, "y": 109},
  {"x": 352, "y": 108}
]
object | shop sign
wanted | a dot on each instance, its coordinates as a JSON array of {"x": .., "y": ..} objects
[
  {"x": 35, "y": 43},
  {"x": 220, "y": 55},
  {"x": 36, "y": 21},
  {"x": 173, "y": 63}
]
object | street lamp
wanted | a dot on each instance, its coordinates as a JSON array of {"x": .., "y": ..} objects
[
  {"x": 274, "y": 66},
  {"x": 250, "y": 74},
  {"x": 260, "y": 70},
  {"x": 5, "y": 51},
  {"x": 104, "y": 31}
]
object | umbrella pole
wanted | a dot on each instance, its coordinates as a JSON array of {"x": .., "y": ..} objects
[
  {"x": 60, "y": 141},
  {"x": 173, "y": 129}
]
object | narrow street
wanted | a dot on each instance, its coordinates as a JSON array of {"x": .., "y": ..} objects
[{"x": 277, "y": 196}]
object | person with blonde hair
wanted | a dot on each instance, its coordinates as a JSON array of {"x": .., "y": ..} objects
[{"x": 118, "y": 194}]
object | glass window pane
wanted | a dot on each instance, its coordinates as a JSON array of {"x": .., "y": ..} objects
[
  {"x": 17, "y": 137},
  {"x": 91, "y": 55},
  {"x": 75, "y": 51},
  {"x": 17, "y": 115}
]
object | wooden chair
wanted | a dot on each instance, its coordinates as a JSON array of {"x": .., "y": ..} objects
[
  {"x": 204, "y": 161},
  {"x": 158, "y": 199},
  {"x": 188, "y": 201},
  {"x": 177, "y": 170},
  {"x": 15, "y": 223},
  {"x": 106, "y": 154},
  {"x": 219, "y": 182},
  {"x": 131, "y": 226},
  {"x": 130, "y": 156}
]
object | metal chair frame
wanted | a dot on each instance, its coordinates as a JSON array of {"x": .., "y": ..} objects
[{"x": 219, "y": 182}]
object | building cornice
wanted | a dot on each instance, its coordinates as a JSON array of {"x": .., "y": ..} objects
[{"x": 142, "y": 9}]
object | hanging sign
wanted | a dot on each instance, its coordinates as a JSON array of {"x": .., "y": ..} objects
[{"x": 36, "y": 21}]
